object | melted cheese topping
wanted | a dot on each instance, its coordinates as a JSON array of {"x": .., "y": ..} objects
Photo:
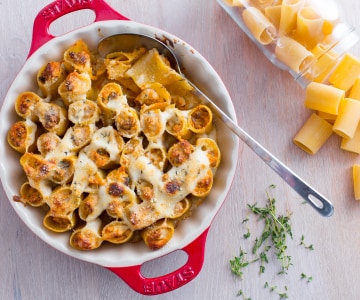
[
  {"x": 75, "y": 138},
  {"x": 118, "y": 103},
  {"x": 31, "y": 128},
  {"x": 180, "y": 181},
  {"x": 44, "y": 186},
  {"x": 87, "y": 176},
  {"x": 107, "y": 139},
  {"x": 83, "y": 112}
]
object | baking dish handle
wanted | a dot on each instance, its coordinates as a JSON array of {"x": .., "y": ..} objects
[
  {"x": 169, "y": 282},
  {"x": 57, "y": 9}
]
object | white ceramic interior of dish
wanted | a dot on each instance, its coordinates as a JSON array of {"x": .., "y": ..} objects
[{"x": 197, "y": 69}]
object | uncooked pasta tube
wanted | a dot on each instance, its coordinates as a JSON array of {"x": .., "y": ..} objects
[
  {"x": 293, "y": 54},
  {"x": 262, "y": 29},
  {"x": 348, "y": 118},
  {"x": 324, "y": 98},
  {"x": 313, "y": 135}
]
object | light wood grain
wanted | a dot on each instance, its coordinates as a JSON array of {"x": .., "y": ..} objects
[{"x": 269, "y": 105}]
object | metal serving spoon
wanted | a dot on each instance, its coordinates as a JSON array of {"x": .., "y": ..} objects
[{"x": 131, "y": 41}]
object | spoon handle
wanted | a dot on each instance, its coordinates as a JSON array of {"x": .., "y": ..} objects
[{"x": 315, "y": 199}]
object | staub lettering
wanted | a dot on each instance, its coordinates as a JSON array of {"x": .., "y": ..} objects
[
  {"x": 169, "y": 283},
  {"x": 61, "y": 6}
]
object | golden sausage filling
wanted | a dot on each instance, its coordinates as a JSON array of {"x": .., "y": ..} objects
[{"x": 116, "y": 150}]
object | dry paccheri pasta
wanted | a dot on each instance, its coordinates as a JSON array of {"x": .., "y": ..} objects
[{"x": 116, "y": 149}]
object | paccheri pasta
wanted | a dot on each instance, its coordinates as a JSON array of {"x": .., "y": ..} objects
[
  {"x": 116, "y": 150},
  {"x": 309, "y": 39},
  {"x": 303, "y": 36}
]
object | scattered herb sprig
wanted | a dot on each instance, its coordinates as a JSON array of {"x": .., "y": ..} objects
[
  {"x": 308, "y": 278},
  {"x": 239, "y": 262},
  {"x": 277, "y": 229},
  {"x": 282, "y": 295},
  {"x": 241, "y": 293},
  {"x": 302, "y": 243}
]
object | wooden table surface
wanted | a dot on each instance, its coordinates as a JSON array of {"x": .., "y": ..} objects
[{"x": 269, "y": 105}]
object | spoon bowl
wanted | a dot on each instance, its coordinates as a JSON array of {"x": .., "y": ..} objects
[{"x": 131, "y": 41}]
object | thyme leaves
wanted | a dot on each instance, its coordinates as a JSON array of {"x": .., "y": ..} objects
[{"x": 274, "y": 236}]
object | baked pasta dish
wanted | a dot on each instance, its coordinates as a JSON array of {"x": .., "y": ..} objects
[{"x": 116, "y": 149}]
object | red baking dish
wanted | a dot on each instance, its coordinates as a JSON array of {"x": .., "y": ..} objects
[{"x": 190, "y": 236}]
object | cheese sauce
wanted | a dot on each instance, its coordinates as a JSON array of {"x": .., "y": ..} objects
[{"x": 179, "y": 182}]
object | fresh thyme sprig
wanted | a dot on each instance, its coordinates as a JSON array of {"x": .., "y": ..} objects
[
  {"x": 241, "y": 293},
  {"x": 239, "y": 263},
  {"x": 302, "y": 243},
  {"x": 274, "y": 288},
  {"x": 276, "y": 228},
  {"x": 274, "y": 236},
  {"x": 264, "y": 259},
  {"x": 308, "y": 278},
  {"x": 247, "y": 234}
]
